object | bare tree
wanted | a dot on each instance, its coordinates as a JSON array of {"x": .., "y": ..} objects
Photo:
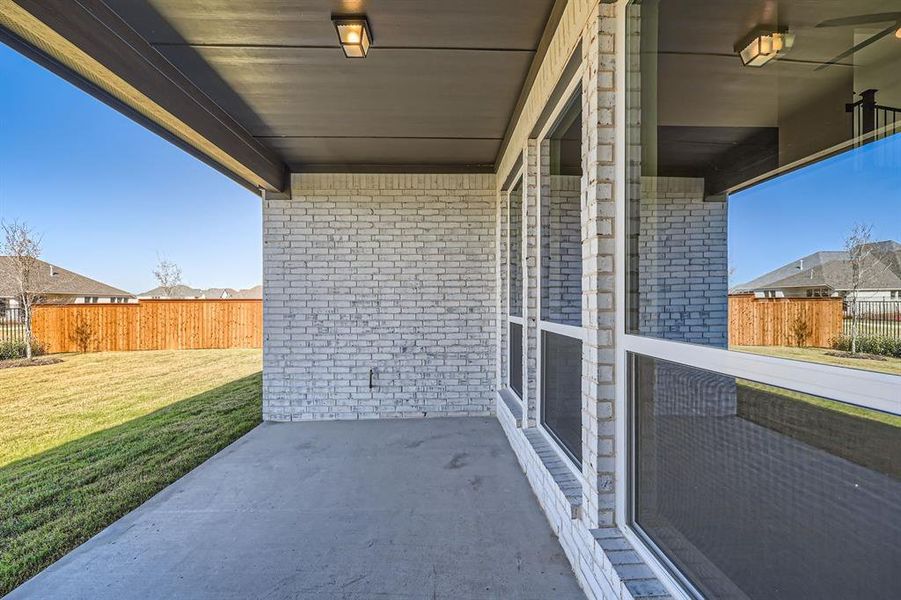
[
  {"x": 23, "y": 247},
  {"x": 865, "y": 265},
  {"x": 168, "y": 274}
]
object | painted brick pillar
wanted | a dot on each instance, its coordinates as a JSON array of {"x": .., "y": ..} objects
[
  {"x": 530, "y": 277},
  {"x": 598, "y": 264},
  {"x": 501, "y": 302}
]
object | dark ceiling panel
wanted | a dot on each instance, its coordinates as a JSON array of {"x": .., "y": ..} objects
[
  {"x": 393, "y": 93},
  {"x": 439, "y": 85},
  {"x": 385, "y": 151},
  {"x": 433, "y": 23}
]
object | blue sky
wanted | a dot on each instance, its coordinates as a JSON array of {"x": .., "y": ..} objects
[
  {"x": 813, "y": 208},
  {"x": 108, "y": 196}
]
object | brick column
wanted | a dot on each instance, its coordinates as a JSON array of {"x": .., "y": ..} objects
[
  {"x": 530, "y": 277},
  {"x": 598, "y": 275}
]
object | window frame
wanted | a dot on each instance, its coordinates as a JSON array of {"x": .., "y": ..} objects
[
  {"x": 573, "y": 87},
  {"x": 518, "y": 179},
  {"x": 857, "y": 387}
]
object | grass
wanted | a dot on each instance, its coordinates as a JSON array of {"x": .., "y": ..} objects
[
  {"x": 43, "y": 407},
  {"x": 890, "y": 365},
  {"x": 848, "y": 409},
  {"x": 84, "y": 442}
]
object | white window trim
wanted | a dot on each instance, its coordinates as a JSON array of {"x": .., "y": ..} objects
[
  {"x": 867, "y": 389},
  {"x": 623, "y": 476},
  {"x": 572, "y": 331},
  {"x": 857, "y": 387},
  {"x": 518, "y": 179}
]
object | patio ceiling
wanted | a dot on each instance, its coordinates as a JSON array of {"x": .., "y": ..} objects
[{"x": 436, "y": 93}]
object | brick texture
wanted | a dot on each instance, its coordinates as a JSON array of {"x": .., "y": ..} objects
[
  {"x": 389, "y": 273},
  {"x": 598, "y": 274},
  {"x": 682, "y": 265}
]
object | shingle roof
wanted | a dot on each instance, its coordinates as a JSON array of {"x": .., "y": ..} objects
[
  {"x": 179, "y": 291},
  {"x": 881, "y": 271},
  {"x": 256, "y": 292},
  {"x": 51, "y": 279},
  {"x": 184, "y": 291}
]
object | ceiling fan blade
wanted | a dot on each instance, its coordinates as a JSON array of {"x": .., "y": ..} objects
[
  {"x": 862, "y": 19},
  {"x": 860, "y": 46}
]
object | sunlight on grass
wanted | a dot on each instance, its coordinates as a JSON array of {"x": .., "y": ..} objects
[
  {"x": 43, "y": 407},
  {"x": 890, "y": 365},
  {"x": 825, "y": 403},
  {"x": 120, "y": 427}
]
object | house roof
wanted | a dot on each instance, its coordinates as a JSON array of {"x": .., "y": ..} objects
[
  {"x": 52, "y": 279},
  {"x": 184, "y": 291},
  {"x": 178, "y": 291},
  {"x": 256, "y": 292},
  {"x": 832, "y": 269}
]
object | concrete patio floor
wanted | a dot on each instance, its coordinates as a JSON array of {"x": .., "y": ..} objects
[{"x": 429, "y": 508}]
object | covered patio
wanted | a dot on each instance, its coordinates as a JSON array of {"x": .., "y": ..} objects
[
  {"x": 433, "y": 508},
  {"x": 521, "y": 214}
]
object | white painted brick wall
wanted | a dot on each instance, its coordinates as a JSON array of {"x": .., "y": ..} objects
[
  {"x": 561, "y": 247},
  {"x": 605, "y": 563},
  {"x": 391, "y": 272},
  {"x": 683, "y": 262}
]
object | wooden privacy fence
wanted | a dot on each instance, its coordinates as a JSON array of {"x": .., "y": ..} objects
[
  {"x": 151, "y": 325},
  {"x": 809, "y": 322}
]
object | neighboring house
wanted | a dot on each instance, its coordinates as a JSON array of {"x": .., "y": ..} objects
[
  {"x": 827, "y": 274},
  {"x": 254, "y": 293},
  {"x": 184, "y": 292},
  {"x": 181, "y": 292},
  {"x": 56, "y": 285}
]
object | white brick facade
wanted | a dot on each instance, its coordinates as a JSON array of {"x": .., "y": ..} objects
[
  {"x": 581, "y": 509},
  {"x": 393, "y": 273},
  {"x": 407, "y": 275}
]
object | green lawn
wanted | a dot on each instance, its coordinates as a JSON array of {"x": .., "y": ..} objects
[
  {"x": 889, "y": 365},
  {"x": 824, "y": 403},
  {"x": 85, "y": 441}
]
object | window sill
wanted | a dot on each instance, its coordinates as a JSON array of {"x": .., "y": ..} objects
[
  {"x": 619, "y": 560},
  {"x": 513, "y": 404},
  {"x": 560, "y": 472}
]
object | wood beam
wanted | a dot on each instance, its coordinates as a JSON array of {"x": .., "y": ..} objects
[{"x": 86, "y": 42}]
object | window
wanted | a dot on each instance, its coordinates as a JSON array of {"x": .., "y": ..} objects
[
  {"x": 757, "y": 178},
  {"x": 516, "y": 358},
  {"x": 560, "y": 283},
  {"x": 514, "y": 272},
  {"x": 757, "y": 491},
  {"x": 761, "y": 175}
]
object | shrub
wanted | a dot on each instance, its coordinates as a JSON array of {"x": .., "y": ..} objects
[
  {"x": 82, "y": 336},
  {"x": 882, "y": 345},
  {"x": 800, "y": 330},
  {"x": 16, "y": 349}
]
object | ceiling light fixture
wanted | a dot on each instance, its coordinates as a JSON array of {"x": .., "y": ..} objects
[
  {"x": 354, "y": 35},
  {"x": 763, "y": 46}
]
